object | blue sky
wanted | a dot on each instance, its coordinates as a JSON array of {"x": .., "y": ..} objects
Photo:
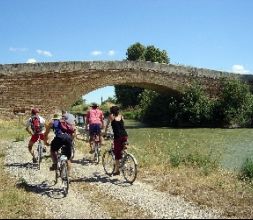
[{"x": 213, "y": 34}]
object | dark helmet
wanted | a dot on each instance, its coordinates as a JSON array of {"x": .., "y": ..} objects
[{"x": 94, "y": 105}]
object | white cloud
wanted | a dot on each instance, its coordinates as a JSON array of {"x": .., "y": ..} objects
[
  {"x": 16, "y": 49},
  {"x": 96, "y": 53},
  {"x": 111, "y": 52},
  {"x": 239, "y": 69},
  {"x": 44, "y": 53},
  {"x": 31, "y": 60}
]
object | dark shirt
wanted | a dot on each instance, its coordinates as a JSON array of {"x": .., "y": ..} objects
[{"x": 118, "y": 129}]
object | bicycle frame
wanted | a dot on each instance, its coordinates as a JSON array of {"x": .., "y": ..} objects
[
  {"x": 62, "y": 171},
  {"x": 128, "y": 164},
  {"x": 96, "y": 147},
  {"x": 40, "y": 152}
]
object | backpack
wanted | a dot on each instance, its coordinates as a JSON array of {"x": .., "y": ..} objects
[
  {"x": 66, "y": 127},
  {"x": 36, "y": 125}
]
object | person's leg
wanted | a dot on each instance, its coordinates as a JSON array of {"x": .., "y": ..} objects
[
  {"x": 55, "y": 146},
  {"x": 116, "y": 171},
  {"x": 100, "y": 139},
  {"x": 67, "y": 141},
  {"x": 30, "y": 147},
  {"x": 117, "y": 153},
  {"x": 92, "y": 129},
  {"x": 42, "y": 137}
]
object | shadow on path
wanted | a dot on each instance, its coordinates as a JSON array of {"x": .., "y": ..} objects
[
  {"x": 43, "y": 188},
  {"x": 98, "y": 178},
  {"x": 28, "y": 165}
]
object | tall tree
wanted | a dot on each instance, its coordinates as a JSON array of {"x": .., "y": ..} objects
[
  {"x": 127, "y": 95},
  {"x": 153, "y": 54},
  {"x": 136, "y": 52}
]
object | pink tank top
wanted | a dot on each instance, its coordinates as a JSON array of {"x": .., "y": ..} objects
[{"x": 95, "y": 116}]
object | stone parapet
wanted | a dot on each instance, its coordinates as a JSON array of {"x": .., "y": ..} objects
[{"x": 57, "y": 85}]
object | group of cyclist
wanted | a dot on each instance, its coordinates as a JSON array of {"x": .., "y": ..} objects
[{"x": 94, "y": 123}]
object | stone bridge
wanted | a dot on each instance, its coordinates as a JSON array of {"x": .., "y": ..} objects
[{"x": 57, "y": 85}]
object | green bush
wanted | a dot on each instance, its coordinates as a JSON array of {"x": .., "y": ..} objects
[
  {"x": 175, "y": 159},
  {"x": 158, "y": 109},
  {"x": 196, "y": 108},
  {"x": 236, "y": 102},
  {"x": 246, "y": 172}
]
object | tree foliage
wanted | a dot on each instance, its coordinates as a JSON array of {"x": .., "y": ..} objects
[
  {"x": 158, "y": 109},
  {"x": 128, "y": 96},
  {"x": 196, "y": 108},
  {"x": 236, "y": 103},
  {"x": 136, "y": 52},
  {"x": 79, "y": 101},
  {"x": 154, "y": 54}
]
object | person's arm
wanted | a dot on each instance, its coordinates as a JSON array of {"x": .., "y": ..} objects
[
  {"x": 110, "y": 118},
  {"x": 28, "y": 130},
  {"x": 48, "y": 128},
  {"x": 28, "y": 127},
  {"x": 102, "y": 120}
]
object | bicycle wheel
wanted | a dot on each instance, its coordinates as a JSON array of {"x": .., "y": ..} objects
[
  {"x": 129, "y": 168},
  {"x": 64, "y": 177},
  {"x": 39, "y": 156},
  {"x": 96, "y": 153},
  {"x": 108, "y": 162},
  {"x": 73, "y": 150}
]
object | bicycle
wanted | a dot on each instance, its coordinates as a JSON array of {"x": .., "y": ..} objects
[
  {"x": 62, "y": 170},
  {"x": 128, "y": 163},
  {"x": 96, "y": 147},
  {"x": 39, "y": 152},
  {"x": 73, "y": 150}
]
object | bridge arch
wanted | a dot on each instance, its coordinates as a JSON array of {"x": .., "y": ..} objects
[{"x": 57, "y": 85}]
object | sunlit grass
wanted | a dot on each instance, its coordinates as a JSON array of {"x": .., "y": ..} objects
[
  {"x": 12, "y": 130},
  {"x": 183, "y": 162},
  {"x": 200, "y": 165},
  {"x": 164, "y": 147}
]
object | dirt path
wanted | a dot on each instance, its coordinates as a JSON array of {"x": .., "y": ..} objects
[{"x": 93, "y": 194}]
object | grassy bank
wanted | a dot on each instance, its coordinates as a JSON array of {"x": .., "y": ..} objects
[
  {"x": 196, "y": 164},
  {"x": 14, "y": 202},
  {"x": 185, "y": 162}
]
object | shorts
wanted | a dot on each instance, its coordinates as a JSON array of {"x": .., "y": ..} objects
[
  {"x": 35, "y": 137},
  {"x": 94, "y": 128},
  {"x": 62, "y": 140},
  {"x": 118, "y": 147}
]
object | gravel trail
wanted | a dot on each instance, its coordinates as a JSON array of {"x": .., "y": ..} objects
[{"x": 80, "y": 204}]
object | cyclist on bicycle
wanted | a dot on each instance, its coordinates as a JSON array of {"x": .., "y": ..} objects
[
  {"x": 70, "y": 119},
  {"x": 35, "y": 126},
  {"x": 120, "y": 135},
  {"x": 95, "y": 121},
  {"x": 62, "y": 138}
]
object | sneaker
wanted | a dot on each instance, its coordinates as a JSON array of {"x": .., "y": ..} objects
[
  {"x": 53, "y": 167},
  {"x": 35, "y": 160}
]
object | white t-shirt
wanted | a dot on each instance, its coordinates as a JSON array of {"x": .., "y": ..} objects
[{"x": 42, "y": 121}]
